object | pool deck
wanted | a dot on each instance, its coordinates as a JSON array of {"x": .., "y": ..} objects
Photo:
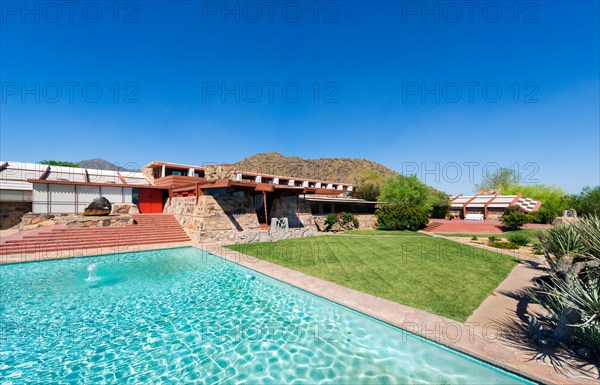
[
  {"x": 76, "y": 253},
  {"x": 490, "y": 339},
  {"x": 483, "y": 336}
]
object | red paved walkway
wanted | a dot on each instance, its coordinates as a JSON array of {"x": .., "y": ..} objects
[{"x": 463, "y": 226}]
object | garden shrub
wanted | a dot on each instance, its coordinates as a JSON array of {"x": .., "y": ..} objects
[
  {"x": 474, "y": 238},
  {"x": 504, "y": 245},
  {"x": 330, "y": 220},
  {"x": 348, "y": 221},
  {"x": 519, "y": 239},
  {"x": 439, "y": 211},
  {"x": 513, "y": 218},
  {"x": 543, "y": 216},
  {"x": 401, "y": 217},
  {"x": 493, "y": 238}
]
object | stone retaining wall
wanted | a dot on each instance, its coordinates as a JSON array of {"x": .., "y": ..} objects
[
  {"x": 33, "y": 221},
  {"x": 234, "y": 220},
  {"x": 296, "y": 211},
  {"x": 366, "y": 221},
  {"x": 12, "y": 212}
]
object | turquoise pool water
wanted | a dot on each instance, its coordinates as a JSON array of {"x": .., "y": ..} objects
[{"x": 185, "y": 316}]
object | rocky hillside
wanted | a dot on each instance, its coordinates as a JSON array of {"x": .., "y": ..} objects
[
  {"x": 102, "y": 164},
  {"x": 330, "y": 169}
]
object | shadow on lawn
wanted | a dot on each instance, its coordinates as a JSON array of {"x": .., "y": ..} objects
[{"x": 527, "y": 336}]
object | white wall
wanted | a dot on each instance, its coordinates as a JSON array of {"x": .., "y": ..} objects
[{"x": 56, "y": 198}]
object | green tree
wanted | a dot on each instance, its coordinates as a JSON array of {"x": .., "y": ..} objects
[
  {"x": 367, "y": 183},
  {"x": 554, "y": 199},
  {"x": 588, "y": 201},
  {"x": 59, "y": 163},
  {"x": 502, "y": 179},
  {"x": 407, "y": 190}
]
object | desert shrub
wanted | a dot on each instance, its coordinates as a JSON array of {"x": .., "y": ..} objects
[
  {"x": 504, "y": 245},
  {"x": 493, "y": 238},
  {"x": 513, "y": 218},
  {"x": 543, "y": 216},
  {"x": 519, "y": 239},
  {"x": 401, "y": 217}
]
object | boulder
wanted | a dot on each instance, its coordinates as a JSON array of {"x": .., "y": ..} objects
[
  {"x": 125, "y": 208},
  {"x": 99, "y": 206}
]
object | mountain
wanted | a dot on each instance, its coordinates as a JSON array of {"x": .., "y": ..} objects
[
  {"x": 328, "y": 169},
  {"x": 102, "y": 164}
]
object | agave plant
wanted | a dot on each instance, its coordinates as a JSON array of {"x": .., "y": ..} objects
[
  {"x": 589, "y": 228},
  {"x": 575, "y": 307},
  {"x": 562, "y": 246},
  {"x": 574, "y": 302}
]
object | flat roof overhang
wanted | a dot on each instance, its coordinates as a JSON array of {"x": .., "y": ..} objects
[
  {"x": 260, "y": 187},
  {"x": 65, "y": 182},
  {"x": 340, "y": 200}
]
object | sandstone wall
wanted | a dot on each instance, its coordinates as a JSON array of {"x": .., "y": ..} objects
[
  {"x": 366, "y": 221},
  {"x": 12, "y": 212},
  {"x": 296, "y": 211},
  {"x": 32, "y": 221},
  {"x": 234, "y": 220},
  {"x": 214, "y": 214}
]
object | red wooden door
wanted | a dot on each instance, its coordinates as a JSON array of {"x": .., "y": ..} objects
[{"x": 150, "y": 200}]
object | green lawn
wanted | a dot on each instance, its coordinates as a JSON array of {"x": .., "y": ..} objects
[
  {"x": 531, "y": 233},
  {"x": 433, "y": 274}
]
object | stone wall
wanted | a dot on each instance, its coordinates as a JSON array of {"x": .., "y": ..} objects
[
  {"x": 366, "y": 221},
  {"x": 214, "y": 213},
  {"x": 33, "y": 221},
  {"x": 296, "y": 211},
  {"x": 219, "y": 172},
  {"x": 12, "y": 212},
  {"x": 249, "y": 236},
  {"x": 234, "y": 220}
]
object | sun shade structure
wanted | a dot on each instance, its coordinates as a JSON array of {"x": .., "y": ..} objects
[{"x": 490, "y": 205}]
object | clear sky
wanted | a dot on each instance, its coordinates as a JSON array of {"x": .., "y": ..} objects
[{"x": 447, "y": 87}]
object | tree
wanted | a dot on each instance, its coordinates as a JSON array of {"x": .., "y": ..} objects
[
  {"x": 554, "y": 200},
  {"x": 367, "y": 183},
  {"x": 588, "y": 201},
  {"x": 502, "y": 179},
  {"x": 59, "y": 163},
  {"x": 407, "y": 190}
]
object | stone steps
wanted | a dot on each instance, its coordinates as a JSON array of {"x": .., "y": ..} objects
[{"x": 150, "y": 229}]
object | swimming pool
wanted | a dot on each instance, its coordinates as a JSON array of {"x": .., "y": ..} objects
[{"x": 183, "y": 315}]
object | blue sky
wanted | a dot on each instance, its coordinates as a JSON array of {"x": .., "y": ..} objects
[{"x": 442, "y": 90}]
